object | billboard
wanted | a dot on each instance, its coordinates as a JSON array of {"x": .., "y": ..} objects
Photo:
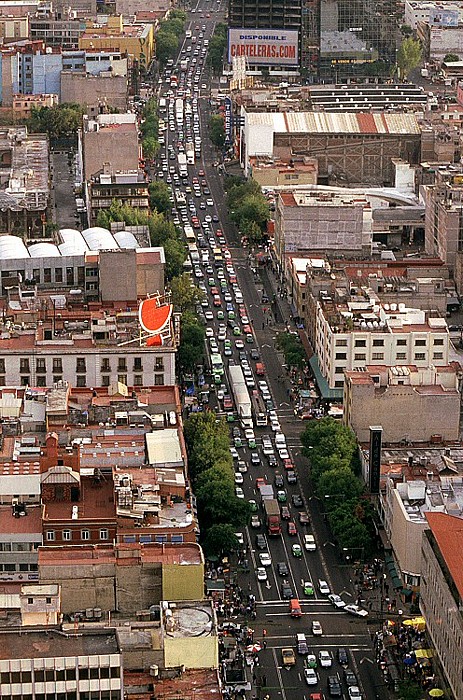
[
  {"x": 228, "y": 121},
  {"x": 270, "y": 47},
  {"x": 443, "y": 18}
]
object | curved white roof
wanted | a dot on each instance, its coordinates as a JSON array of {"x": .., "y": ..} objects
[
  {"x": 126, "y": 239},
  {"x": 98, "y": 238},
  {"x": 12, "y": 247},
  {"x": 44, "y": 250},
  {"x": 73, "y": 242}
]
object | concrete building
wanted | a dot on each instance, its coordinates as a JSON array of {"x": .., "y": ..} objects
[
  {"x": 130, "y": 8},
  {"x": 102, "y": 92},
  {"x": 54, "y": 30},
  {"x": 439, "y": 40},
  {"x": 19, "y": 8},
  {"x": 23, "y": 104},
  {"x": 409, "y": 404},
  {"x": 109, "y": 138},
  {"x": 13, "y": 28},
  {"x": 317, "y": 221},
  {"x": 432, "y": 13},
  {"x": 24, "y": 182},
  {"x": 47, "y": 662},
  {"x": 296, "y": 171},
  {"x": 441, "y": 594},
  {"x": 40, "y": 605},
  {"x": 356, "y": 148},
  {"x": 135, "y": 40},
  {"x": 129, "y": 187},
  {"x": 356, "y": 331}
]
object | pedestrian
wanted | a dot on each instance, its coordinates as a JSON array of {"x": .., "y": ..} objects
[
  {"x": 264, "y": 644},
  {"x": 264, "y": 680},
  {"x": 263, "y": 325}
]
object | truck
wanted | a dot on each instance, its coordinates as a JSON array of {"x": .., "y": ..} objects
[
  {"x": 182, "y": 165},
  {"x": 258, "y": 409},
  {"x": 179, "y": 111},
  {"x": 272, "y": 516},
  {"x": 190, "y": 153},
  {"x": 266, "y": 492},
  {"x": 241, "y": 396}
]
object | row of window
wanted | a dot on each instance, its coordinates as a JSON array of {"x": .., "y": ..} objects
[
  {"x": 81, "y": 380},
  {"x": 81, "y": 365},
  {"x": 379, "y": 342},
  {"x": 67, "y": 535},
  {"x": 54, "y": 675},
  {"x": 21, "y": 568},
  {"x": 60, "y": 275},
  {"x": 361, "y": 357},
  {"x": 71, "y": 695},
  {"x": 18, "y": 546}
]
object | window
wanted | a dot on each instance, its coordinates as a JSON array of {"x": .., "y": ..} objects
[
  {"x": 57, "y": 365},
  {"x": 104, "y": 534},
  {"x": 48, "y": 601},
  {"x": 159, "y": 364},
  {"x": 341, "y": 343},
  {"x": 67, "y": 535},
  {"x": 158, "y": 379},
  {"x": 378, "y": 342},
  {"x": 360, "y": 343},
  {"x": 25, "y": 380},
  {"x": 340, "y": 356},
  {"x": 57, "y": 378},
  {"x": 377, "y": 356},
  {"x": 80, "y": 364},
  {"x": 137, "y": 365},
  {"x": 41, "y": 367},
  {"x": 339, "y": 383},
  {"x": 41, "y": 381},
  {"x": 2, "y": 365},
  {"x": 401, "y": 341},
  {"x": 121, "y": 364},
  {"x": 138, "y": 380},
  {"x": 81, "y": 380},
  {"x": 30, "y": 601},
  {"x": 47, "y": 275},
  {"x": 420, "y": 355},
  {"x": 420, "y": 343},
  {"x": 401, "y": 356},
  {"x": 339, "y": 370},
  {"x": 58, "y": 274},
  {"x": 50, "y": 535},
  {"x": 437, "y": 341},
  {"x": 105, "y": 380},
  {"x": 360, "y": 356},
  {"x": 438, "y": 356},
  {"x": 105, "y": 365},
  {"x": 122, "y": 378},
  {"x": 24, "y": 366},
  {"x": 85, "y": 534}
]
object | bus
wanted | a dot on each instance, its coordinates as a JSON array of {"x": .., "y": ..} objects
[
  {"x": 162, "y": 105},
  {"x": 189, "y": 234},
  {"x": 217, "y": 367}
]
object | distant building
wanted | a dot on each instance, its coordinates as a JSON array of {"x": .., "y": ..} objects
[
  {"x": 102, "y": 92},
  {"x": 431, "y": 12},
  {"x": 129, "y": 8},
  {"x": 13, "y": 28},
  {"x": 409, "y": 404},
  {"x": 438, "y": 40},
  {"x": 54, "y": 30},
  {"x": 23, "y": 104},
  {"x": 441, "y": 595},
  {"x": 295, "y": 171},
  {"x": 135, "y": 40},
  {"x": 129, "y": 187},
  {"x": 109, "y": 139}
]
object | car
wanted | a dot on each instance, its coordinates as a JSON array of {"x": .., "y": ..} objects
[
  {"x": 281, "y": 496},
  {"x": 355, "y": 610},
  {"x": 286, "y": 591},
  {"x": 309, "y": 543},
  {"x": 310, "y": 676},
  {"x": 288, "y": 657},
  {"x": 296, "y": 551},
  {"x": 238, "y": 478},
  {"x": 209, "y": 316},
  {"x": 323, "y": 587},
  {"x": 291, "y": 477},
  {"x": 342, "y": 656},
  {"x": 336, "y": 601},
  {"x": 239, "y": 344},
  {"x": 233, "y": 452},
  {"x": 325, "y": 658},
  {"x": 285, "y": 514},
  {"x": 353, "y": 691},
  {"x": 253, "y": 505},
  {"x": 255, "y": 521},
  {"x": 334, "y": 687},
  {"x": 261, "y": 542},
  {"x": 304, "y": 517},
  {"x": 265, "y": 559},
  {"x": 282, "y": 568},
  {"x": 311, "y": 661},
  {"x": 278, "y": 480},
  {"x": 242, "y": 466},
  {"x": 272, "y": 460},
  {"x": 316, "y": 628},
  {"x": 297, "y": 500},
  {"x": 261, "y": 574},
  {"x": 350, "y": 677},
  {"x": 239, "y": 492},
  {"x": 255, "y": 458},
  {"x": 291, "y": 528},
  {"x": 308, "y": 588},
  {"x": 240, "y": 537}
]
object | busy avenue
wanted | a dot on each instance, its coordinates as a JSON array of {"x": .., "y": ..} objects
[{"x": 288, "y": 565}]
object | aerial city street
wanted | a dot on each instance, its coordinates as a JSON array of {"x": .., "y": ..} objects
[{"x": 231, "y": 350}]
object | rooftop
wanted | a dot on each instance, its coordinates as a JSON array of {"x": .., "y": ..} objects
[
  {"x": 25, "y": 175},
  {"x": 189, "y": 619},
  {"x": 448, "y": 533},
  {"x": 52, "y": 644},
  {"x": 334, "y": 123},
  {"x": 96, "y": 502},
  {"x": 203, "y": 684}
]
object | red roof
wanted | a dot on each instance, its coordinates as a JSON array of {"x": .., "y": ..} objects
[{"x": 448, "y": 532}]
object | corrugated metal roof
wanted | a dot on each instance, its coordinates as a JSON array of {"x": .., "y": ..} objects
[{"x": 335, "y": 122}]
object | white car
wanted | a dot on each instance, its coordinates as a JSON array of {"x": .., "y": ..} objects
[
  {"x": 323, "y": 587},
  {"x": 242, "y": 466},
  {"x": 249, "y": 434},
  {"x": 210, "y": 202},
  {"x": 261, "y": 574},
  {"x": 208, "y": 315},
  {"x": 336, "y": 600},
  {"x": 354, "y": 693},
  {"x": 239, "y": 479},
  {"x": 309, "y": 543},
  {"x": 283, "y": 453},
  {"x": 240, "y": 537},
  {"x": 239, "y": 492},
  {"x": 316, "y": 628},
  {"x": 356, "y": 610},
  {"x": 325, "y": 659},
  {"x": 234, "y": 452},
  {"x": 310, "y": 676},
  {"x": 265, "y": 559}
]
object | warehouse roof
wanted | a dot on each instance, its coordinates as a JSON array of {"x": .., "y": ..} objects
[{"x": 335, "y": 123}]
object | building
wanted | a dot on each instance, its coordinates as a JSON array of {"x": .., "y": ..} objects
[
  {"x": 310, "y": 220},
  {"x": 356, "y": 331},
  {"x": 441, "y": 593},
  {"x": 23, "y": 104},
  {"x": 130, "y": 8},
  {"x": 19, "y": 8},
  {"x": 410, "y": 405},
  {"x": 352, "y": 148},
  {"x": 13, "y": 28},
  {"x": 438, "y": 40},
  {"x": 432, "y": 13},
  {"x": 24, "y": 182},
  {"x": 102, "y": 92},
  {"x": 109, "y": 139},
  {"x": 47, "y": 661},
  {"x": 296, "y": 171},
  {"x": 56, "y": 31},
  {"x": 135, "y": 40},
  {"x": 129, "y": 187}
]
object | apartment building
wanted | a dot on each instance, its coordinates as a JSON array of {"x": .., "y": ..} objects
[
  {"x": 441, "y": 593},
  {"x": 135, "y": 40},
  {"x": 109, "y": 140},
  {"x": 129, "y": 187}
]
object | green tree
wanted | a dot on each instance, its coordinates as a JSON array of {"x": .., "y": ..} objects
[
  {"x": 339, "y": 483},
  {"x": 191, "y": 348},
  {"x": 175, "y": 252},
  {"x": 60, "y": 121},
  {"x": 222, "y": 471},
  {"x": 253, "y": 207},
  {"x": 408, "y": 56},
  {"x": 406, "y": 30},
  {"x": 220, "y": 539},
  {"x": 293, "y": 350},
  {"x": 166, "y": 46},
  {"x": 159, "y": 196},
  {"x": 409, "y": 690},
  {"x": 185, "y": 294},
  {"x": 150, "y": 147},
  {"x": 207, "y": 440},
  {"x": 451, "y": 58},
  {"x": 252, "y": 231},
  {"x": 217, "y": 130},
  {"x": 219, "y": 504},
  {"x": 216, "y": 48}
]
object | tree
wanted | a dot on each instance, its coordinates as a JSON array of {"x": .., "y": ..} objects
[
  {"x": 207, "y": 440},
  {"x": 339, "y": 483},
  {"x": 60, "y": 121},
  {"x": 408, "y": 56},
  {"x": 406, "y": 30},
  {"x": 217, "y": 130},
  {"x": 409, "y": 690},
  {"x": 221, "y": 471},
  {"x": 150, "y": 147},
  {"x": 220, "y": 539},
  {"x": 166, "y": 46},
  {"x": 293, "y": 350},
  {"x": 185, "y": 294},
  {"x": 175, "y": 252},
  {"x": 451, "y": 58},
  {"x": 191, "y": 346},
  {"x": 252, "y": 231},
  {"x": 253, "y": 207},
  {"x": 216, "y": 48},
  {"x": 159, "y": 196}
]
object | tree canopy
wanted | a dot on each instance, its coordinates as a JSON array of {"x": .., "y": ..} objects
[
  {"x": 167, "y": 37},
  {"x": 408, "y": 56},
  {"x": 191, "y": 347},
  {"x": 248, "y": 206},
  {"x": 185, "y": 294},
  {"x": 216, "y": 48},
  {"x": 159, "y": 196},
  {"x": 293, "y": 350},
  {"x": 60, "y": 121},
  {"x": 217, "y": 130}
]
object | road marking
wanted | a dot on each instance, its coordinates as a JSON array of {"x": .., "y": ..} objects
[
  {"x": 280, "y": 679},
  {"x": 365, "y": 658}
]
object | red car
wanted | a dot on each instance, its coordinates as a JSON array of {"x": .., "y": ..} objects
[
  {"x": 291, "y": 528},
  {"x": 247, "y": 329},
  {"x": 227, "y": 403},
  {"x": 217, "y": 301},
  {"x": 201, "y": 173},
  {"x": 288, "y": 464},
  {"x": 260, "y": 482}
]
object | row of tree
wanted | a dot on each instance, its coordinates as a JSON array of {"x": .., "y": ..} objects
[
  {"x": 60, "y": 121},
  {"x": 248, "y": 208},
  {"x": 216, "y": 48},
  {"x": 149, "y": 128},
  {"x": 220, "y": 512},
  {"x": 293, "y": 350},
  {"x": 168, "y": 36},
  {"x": 334, "y": 466}
]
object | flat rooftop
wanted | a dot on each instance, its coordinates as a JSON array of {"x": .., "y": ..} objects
[{"x": 50, "y": 644}]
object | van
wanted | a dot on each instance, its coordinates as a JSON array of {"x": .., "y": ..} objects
[
  {"x": 295, "y": 608},
  {"x": 309, "y": 543},
  {"x": 280, "y": 439},
  {"x": 302, "y": 647}
]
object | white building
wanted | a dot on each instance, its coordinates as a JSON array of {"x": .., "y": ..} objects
[{"x": 430, "y": 12}]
